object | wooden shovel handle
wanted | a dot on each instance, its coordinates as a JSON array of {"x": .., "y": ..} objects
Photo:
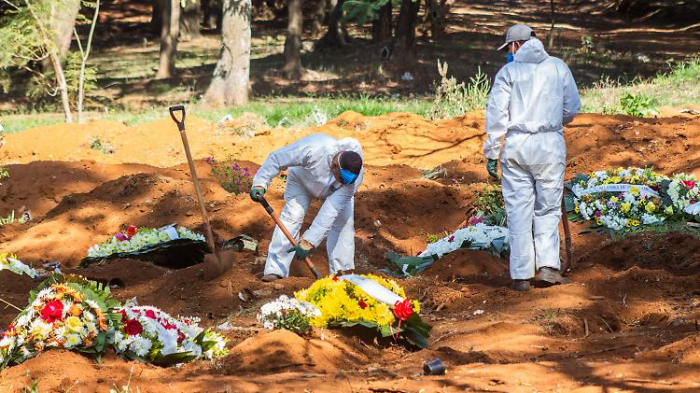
[
  {"x": 567, "y": 237},
  {"x": 289, "y": 236},
  {"x": 181, "y": 127}
]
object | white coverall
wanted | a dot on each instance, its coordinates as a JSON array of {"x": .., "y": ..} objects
[
  {"x": 532, "y": 98},
  {"x": 310, "y": 176}
]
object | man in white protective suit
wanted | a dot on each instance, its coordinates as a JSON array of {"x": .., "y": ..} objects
[
  {"x": 533, "y": 96},
  {"x": 321, "y": 167}
]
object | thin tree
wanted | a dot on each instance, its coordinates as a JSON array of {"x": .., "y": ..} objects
[
  {"x": 292, "y": 45},
  {"x": 319, "y": 14},
  {"x": 405, "y": 34},
  {"x": 169, "y": 32},
  {"x": 190, "y": 20},
  {"x": 229, "y": 85},
  {"x": 335, "y": 36},
  {"x": 52, "y": 53},
  {"x": 84, "y": 54},
  {"x": 381, "y": 24},
  {"x": 62, "y": 23},
  {"x": 551, "y": 29}
]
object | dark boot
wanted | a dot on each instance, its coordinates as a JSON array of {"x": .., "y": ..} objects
[
  {"x": 547, "y": 276},
  {"x": 270, "y": 277},
  {"x": 520, "y": 285}
]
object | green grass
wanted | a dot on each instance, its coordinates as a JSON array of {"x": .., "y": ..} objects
[
  {"x": 21, "y": 121},
  {"x": 277, "y": 112},
  {"x": 680, "y": 86},
  {"x": 295, "y": 112}
]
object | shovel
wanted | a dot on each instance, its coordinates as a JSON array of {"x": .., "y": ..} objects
[
  {"x": 217, "y": 263},
  {"x": 567, "y": 238},
  {"x": 289, "y": 236}
]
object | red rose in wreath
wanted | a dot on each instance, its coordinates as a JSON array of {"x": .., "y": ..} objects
[
  {"x": 131, "y": 231},
  {"x": 403, "y": 310},
  {"x": 133, "y": 327},
  {"x": 151, "y": 314},
  {"x": 52, "y": 311},
  {"x": 362, "y": 304},
  {"x": 688, "y": 183}
]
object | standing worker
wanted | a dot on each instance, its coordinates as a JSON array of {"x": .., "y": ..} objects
[
  {"x": 320, "y": 167},
  {"x": 533, "y": 96}
]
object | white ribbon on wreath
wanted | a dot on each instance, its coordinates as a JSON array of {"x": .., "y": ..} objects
[
  {"x": 643, "y": 190},
  {"x": 373, "y": 289}
]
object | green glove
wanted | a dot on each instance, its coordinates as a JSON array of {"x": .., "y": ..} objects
[
  {"x": 492, "y": 168},
  {"x": 256, "y": 193},
  {"x": 302, "y": 250}
]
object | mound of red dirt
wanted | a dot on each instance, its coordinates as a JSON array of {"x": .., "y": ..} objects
[
  {"x": 468, "y": 266},
  {"x": 629, "y": 298},
  {"x": 282, "y": 350}
]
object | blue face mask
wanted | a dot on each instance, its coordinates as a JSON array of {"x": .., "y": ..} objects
[
  {"x": 511, "y": 58},
  {"x": 347, "y": 177}
]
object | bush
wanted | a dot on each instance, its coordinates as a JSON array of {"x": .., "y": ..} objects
[
  {"x": 456, "y": 99},
  {"x": 639, "y": 105},
  {"x": 232, "y": 177}
]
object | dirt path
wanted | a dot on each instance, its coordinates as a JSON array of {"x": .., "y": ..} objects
[{"x": 628, "y": 323}]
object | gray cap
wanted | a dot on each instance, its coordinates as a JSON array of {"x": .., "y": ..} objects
[{"x": 517, "y": 33}]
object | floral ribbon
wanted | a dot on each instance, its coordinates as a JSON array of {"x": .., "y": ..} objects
[{"x": 643, "y": 190}]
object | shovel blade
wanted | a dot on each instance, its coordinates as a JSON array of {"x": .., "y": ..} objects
[{"x": 217, "y": 264}]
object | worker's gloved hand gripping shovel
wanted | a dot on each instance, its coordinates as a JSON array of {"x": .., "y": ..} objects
[
  {"x": 216, "y": 263},
  {"x": 261, "y": 200}
]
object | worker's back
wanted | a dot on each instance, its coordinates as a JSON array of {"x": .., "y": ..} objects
[{"x": 543, "y": 91}]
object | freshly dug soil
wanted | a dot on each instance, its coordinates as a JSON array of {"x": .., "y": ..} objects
[{"x": 628, "y": 321}]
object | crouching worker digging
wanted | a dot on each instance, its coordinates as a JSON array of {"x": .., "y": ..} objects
[
  {"x": 318, "y": 167},
  {"x": 533, "y": 96}
]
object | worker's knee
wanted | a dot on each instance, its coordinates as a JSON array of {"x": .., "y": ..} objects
[{"x": 292, "y": 214}]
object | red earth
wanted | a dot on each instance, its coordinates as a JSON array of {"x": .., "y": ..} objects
[{"x": 628, "y": 322}]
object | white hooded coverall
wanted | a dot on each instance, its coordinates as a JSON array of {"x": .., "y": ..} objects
[
  {"x": 531, "y": 100},
  {"x": 310, "y": 176}
]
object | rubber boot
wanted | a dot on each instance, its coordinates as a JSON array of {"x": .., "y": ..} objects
[
  {"x": 520, "y": 285},
  {"x": 548, "y": 276}
]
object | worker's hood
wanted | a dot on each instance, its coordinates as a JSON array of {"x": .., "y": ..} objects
[{"x": 532, "y": 51}]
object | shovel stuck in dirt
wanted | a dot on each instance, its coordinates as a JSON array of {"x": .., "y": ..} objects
[{"x": 216, "y": 263}]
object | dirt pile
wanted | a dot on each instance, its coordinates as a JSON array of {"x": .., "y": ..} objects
[
  {"x": 283, "y": 350},
  {"x": 467, "y": 266}
]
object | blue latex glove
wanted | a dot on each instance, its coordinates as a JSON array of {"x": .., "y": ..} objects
[
  {"x": 302, "y": 250},
  {"x": 492, "y": 168}
]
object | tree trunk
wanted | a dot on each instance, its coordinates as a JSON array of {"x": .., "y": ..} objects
[
  {"x": 211, "y": 10},
  {"x": 229, "y": 86},
  {"x": 190, "y": 20},
  {"x": 334, "y": 37},
  {"x": 85, "y": 54},
  {"x": 292, "y": 45},
  {"x": 62, "y": 22},
  {"x": 156, "y": 23},
  {"x": 168, "y": 39},
  {"x": 551, "y": 30},
  {"x": 48, "y": 39},
  {"x": 61, "y": 83},
  {"x": 406, "y": 30},
  {"x": 381, "y": 26},
  {"x": 436, "y": 17},
  {"x": 319, "y": 17}
]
